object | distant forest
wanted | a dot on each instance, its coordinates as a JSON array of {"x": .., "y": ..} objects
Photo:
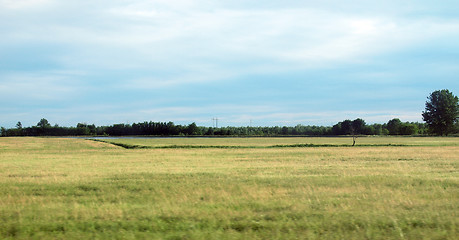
[{"x": 346, "y": 127}]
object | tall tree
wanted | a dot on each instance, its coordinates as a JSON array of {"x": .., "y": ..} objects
[
  {"x": 43, "y": 123},
  {"x": 442, "y": 112},
  {"x": 192, "y": 129},
  {"x": 358, "y": 126},
  {"x": 393, "y": 126}
]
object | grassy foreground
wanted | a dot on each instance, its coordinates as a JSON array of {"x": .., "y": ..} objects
[{"x": 53, "y": 188}]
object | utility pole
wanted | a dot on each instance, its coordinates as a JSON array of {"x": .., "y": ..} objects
[{"x": 216, "y": 122}]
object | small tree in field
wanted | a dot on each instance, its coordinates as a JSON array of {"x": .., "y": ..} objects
[
  {"x": 348, "y": 127},
  {"x": 442, "y": 112}
]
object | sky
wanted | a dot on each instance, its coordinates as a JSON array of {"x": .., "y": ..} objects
[{"x": 257, "y": 63}]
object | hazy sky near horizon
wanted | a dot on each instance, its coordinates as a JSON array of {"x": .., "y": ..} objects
[{"x": 262, "y": 62}]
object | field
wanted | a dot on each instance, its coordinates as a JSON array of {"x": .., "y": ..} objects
[{"x": 229, "y": 188}]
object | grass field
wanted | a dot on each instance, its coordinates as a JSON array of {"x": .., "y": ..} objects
[
  {"x": 286, "y": 141},
  {"x": 52, "y": 188}
]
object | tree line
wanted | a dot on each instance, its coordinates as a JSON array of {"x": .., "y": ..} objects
[
  {"x": 346, "y": 127},
  {"x": 441, "y": 116}
]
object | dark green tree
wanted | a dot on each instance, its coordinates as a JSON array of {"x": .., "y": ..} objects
[
  {"x": 442, "y": 112},
  {"x": 192, "y": 129},
  {"x": 83, "y": 129},
  {"x": 284, "y": 130},
  {"x": 394, "y": 126},
  {"x": 408, "y": 129},
  {"x": 43, "y": 123},
  {"x": 358, "y": 126},
  {"x": 336, "y": 129},
  {"x": 346, "y": 127}
]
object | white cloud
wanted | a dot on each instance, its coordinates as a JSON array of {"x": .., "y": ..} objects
[
  {"x": 24, "y": 4},
  {"x": 173, "y": 34},
  {"x": 36, "y": 87}
]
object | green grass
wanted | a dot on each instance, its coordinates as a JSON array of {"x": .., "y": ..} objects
[{"x": 54, "y": 188}]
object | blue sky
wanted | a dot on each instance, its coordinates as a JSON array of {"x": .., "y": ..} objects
[{"x": 266, "y": 62}]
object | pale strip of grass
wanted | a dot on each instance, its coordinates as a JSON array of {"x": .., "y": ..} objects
[
  {"x": 69, "y": 188},
  {"x": 266, "y": 142}
]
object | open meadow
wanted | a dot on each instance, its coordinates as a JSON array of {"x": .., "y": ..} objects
[{"x": 229, "y": 188}]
